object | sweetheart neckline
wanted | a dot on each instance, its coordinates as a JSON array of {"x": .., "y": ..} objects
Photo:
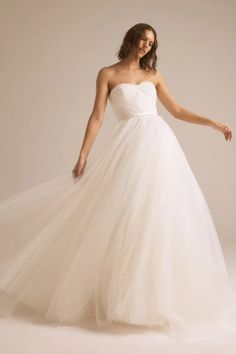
[{"x": 130, "y": 83}]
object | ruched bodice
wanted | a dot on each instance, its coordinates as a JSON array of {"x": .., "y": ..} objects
[{"x": 129, "y": 100}]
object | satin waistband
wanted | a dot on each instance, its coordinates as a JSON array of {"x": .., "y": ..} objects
[{"x": 140, "y": 115}]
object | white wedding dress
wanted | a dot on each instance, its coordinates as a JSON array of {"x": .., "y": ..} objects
[{"x": 132, "y": 240}]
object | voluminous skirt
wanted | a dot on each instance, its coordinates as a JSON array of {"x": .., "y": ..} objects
[{"x": 131, "y": 240}]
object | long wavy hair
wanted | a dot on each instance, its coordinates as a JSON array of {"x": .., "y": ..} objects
[{"x": 130, "y": 44}]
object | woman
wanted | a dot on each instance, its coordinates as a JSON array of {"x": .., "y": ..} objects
[
  {"x": 137, "y": 63},
  {"x": 133, "y": 240}
]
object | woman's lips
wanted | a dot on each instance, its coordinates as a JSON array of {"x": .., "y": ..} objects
[{"x": 142, "y": 51}]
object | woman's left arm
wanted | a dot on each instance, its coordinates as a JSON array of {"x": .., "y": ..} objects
[{"x": 182, "y": 113}]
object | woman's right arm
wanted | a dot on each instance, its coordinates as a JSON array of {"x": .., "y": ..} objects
[{"x": 95, "y": 120}]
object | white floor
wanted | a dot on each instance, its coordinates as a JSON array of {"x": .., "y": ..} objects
[{"x": 27, "y": 333}]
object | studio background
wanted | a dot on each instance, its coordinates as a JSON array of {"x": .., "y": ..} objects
[{"x": 51, "y": 52}]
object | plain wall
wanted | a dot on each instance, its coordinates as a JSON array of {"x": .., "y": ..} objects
[{"x": 51, "y": 52}]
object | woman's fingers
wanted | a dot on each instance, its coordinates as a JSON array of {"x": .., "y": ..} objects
[
  {"x": 79, "y": 168},
  {"x": 227, "y": 132}
]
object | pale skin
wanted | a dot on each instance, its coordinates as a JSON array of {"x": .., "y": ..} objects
[{"x": 128, "y": 70}]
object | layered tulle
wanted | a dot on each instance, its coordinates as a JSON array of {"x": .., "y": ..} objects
[{"x": 132, "y": 240}]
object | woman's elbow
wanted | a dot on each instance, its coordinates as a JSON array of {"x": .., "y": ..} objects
[
  {"x": 97, "y": 117},
  {"x": 177, "y": 112}
]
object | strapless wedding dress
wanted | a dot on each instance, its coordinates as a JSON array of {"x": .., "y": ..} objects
[{"x": 132, "y": 240}]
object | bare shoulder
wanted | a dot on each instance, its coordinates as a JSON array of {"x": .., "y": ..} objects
[
  {"x": 104, "y": 75},
  {"x": 107, "y": 71},
  {"x": 157, "y": 78}
]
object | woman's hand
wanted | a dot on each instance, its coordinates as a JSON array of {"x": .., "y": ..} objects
[
  {"x": 225, "y": 129},
  {"x": 79, "y": 167}
]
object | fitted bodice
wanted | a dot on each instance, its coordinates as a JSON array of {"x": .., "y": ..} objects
[{"x": 128, "y": 100}]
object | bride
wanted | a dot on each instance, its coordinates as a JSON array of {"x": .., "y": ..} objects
[
  {"x": 133, "y": 240},
  {"x": 137, "y": 51}
]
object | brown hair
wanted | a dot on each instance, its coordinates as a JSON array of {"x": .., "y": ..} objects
[{"x": 130, "y": 43}]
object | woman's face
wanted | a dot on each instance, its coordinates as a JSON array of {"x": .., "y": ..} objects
[{"x": 145, "y": 43}]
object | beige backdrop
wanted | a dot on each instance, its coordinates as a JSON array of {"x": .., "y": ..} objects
[{"x": 50, "y": 54}]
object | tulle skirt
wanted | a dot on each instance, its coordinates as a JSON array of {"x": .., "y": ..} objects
[{"x": 131, "y": 240}]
